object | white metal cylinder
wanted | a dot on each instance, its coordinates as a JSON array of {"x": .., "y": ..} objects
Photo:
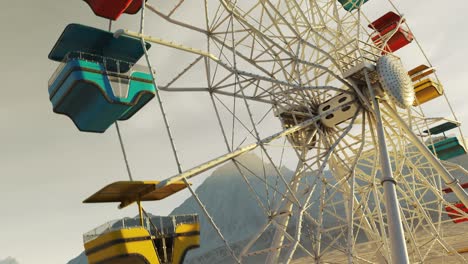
[{"x": 399, "y": 251}]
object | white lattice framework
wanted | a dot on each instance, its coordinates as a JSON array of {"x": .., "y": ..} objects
[{"x": 292, "y": 56}]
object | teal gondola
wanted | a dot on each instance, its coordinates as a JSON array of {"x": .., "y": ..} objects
[
  {"x": 350, "y": 5},
  {"x": 96, "y": 83},
  {"x": 448, "y": 148}
]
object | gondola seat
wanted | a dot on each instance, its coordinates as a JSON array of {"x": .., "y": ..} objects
[
  {"x": 124, "y": 246},
  {"x": 186, "y": 237},
  {"x": 83, "y": 91},
  {"x": 427, "y": 90},
  {"x": 136, "y": 244}
]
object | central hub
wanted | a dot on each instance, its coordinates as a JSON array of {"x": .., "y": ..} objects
[
  {"x": 332, "y": 112},
  {"x": 337, "y": 110},
  {"x": 306, "y": 137}
]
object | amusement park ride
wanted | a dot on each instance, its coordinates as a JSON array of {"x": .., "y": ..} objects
[{"x": 345, "y": 102}]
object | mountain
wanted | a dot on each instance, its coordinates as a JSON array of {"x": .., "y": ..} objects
[
  {"x": 80, "y": 259},
  {"x": 236, "y": 211},
  {"x": 9, "y": 260},
  {"x": 232, "y": 206},
  {"x": 229, "y": 202}
]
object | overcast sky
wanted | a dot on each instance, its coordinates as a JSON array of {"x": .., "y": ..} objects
[{"x": 48, "y": 167}]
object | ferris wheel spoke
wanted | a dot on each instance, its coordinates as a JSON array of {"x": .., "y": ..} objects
[
  {"x": 303, "y": 21},
  {"x": 245, "y": 251},
  {"x": 447, "y": 177},
  {"x": 427, "y": 185},
  {"x": 352, "y": 199},
  {"x": 262, "y": 146},
  {"x": 360, "y": 216},
  {"x": 237, "y": 163},
  {"x": 258, "y": 123},
  {"x": 416, "y": 214},
  {"x": 173, "y": 21},
  {"x": 330, "y": 148},
  {"x": 283, "y": 212},
  {"x": 262, "y": 37},
  {"x": 215, "y": 162},
  {"x": 185, "y": 70},
  {"x": 235, "y": 118},
  {"x": 289, "y": 237}
]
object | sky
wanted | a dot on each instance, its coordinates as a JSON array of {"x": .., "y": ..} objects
[{"x": 47, "y": 167}]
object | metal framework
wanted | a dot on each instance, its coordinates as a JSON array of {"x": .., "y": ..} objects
[{"x": 290, "y": 57}]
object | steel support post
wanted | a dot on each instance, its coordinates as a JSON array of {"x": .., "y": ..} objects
[{"x": 399, "y": 252}]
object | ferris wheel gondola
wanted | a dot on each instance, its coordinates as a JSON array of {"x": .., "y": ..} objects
[
  {"x": 114, "y": 9},
  {"x": 452, "y": 210}
]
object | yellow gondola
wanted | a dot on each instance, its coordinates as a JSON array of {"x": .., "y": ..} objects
[
  {"x": 425, "y": 89},
  {"x": 165, "y": 241}
]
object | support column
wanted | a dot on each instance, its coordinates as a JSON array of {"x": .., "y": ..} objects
[
  {"x": 399, "y": 252},
  {"x": 140, "y": 213}
]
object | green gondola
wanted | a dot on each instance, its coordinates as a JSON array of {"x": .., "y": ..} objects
[
  {"x": 350, "y": 5},
  {"x": 448, "y": 148}
]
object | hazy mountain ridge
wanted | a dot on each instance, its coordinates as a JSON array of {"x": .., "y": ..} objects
[
  {"x": 9, "y": 260},
  {"x": 209, "y": 254},
  {"x": 225, "y": 188}
]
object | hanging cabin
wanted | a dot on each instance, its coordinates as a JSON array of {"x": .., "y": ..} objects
[
  {"x": 446, "y": 147},
  {"x": 113, "y": 9},
  {"x": 389, "y": 34},
  {"x": 454, "y": 210},
  {"x": 96, "y": 82},
  {"x": 350, "y": 5},
  {"x": 146, "y": 240},
  {"x": 425, "y": 88}
]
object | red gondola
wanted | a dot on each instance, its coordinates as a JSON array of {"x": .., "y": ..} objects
[
  {"x": 454, "y": 214},
  {"x": 134, "y": 7},
  {"x": 389, "y": 34},
  {"x": 112, "y": 9}
]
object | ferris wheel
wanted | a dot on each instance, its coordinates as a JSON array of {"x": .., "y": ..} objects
[{"x": 372, "y": 179}]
